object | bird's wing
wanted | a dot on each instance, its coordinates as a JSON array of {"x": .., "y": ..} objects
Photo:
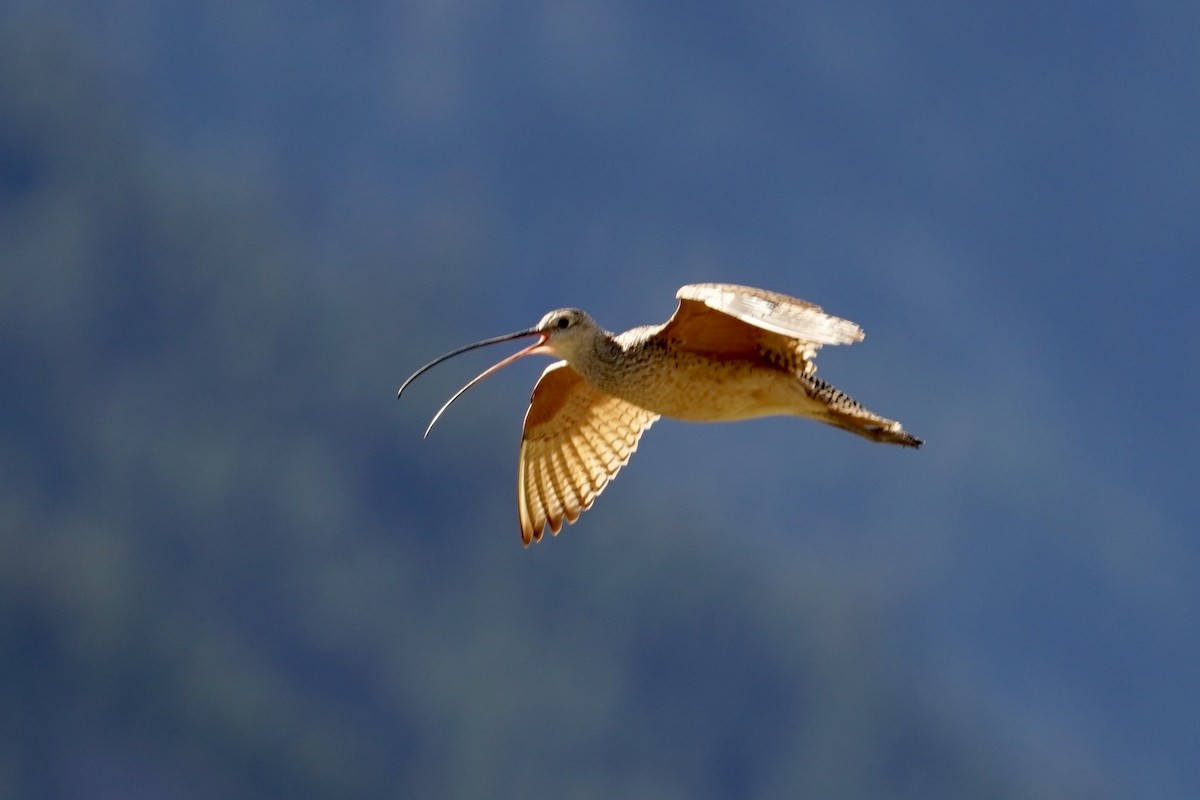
[
  {"x": 768, "y": 311},
  {"x": 575, "y": 441}
]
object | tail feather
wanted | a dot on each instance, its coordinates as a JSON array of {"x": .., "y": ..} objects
[{"x": 843, "y": 411}]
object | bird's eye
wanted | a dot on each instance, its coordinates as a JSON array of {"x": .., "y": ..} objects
[{"x": 563, "y": 322}]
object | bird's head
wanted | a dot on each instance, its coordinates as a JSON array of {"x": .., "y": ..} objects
[{"x": 567, "y": 333}]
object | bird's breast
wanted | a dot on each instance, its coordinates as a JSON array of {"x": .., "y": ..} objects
[{"x": 695, "y": 387}]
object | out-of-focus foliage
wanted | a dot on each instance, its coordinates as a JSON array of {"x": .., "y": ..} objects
[
  {"x": 216, "y": 579},
  {"x": 230, "y": 568}
]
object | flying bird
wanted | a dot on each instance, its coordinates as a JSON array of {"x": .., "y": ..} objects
[{"x": 728, "y": 353}]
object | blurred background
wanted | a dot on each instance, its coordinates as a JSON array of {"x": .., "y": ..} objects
[{"x": 230, "y": 566}]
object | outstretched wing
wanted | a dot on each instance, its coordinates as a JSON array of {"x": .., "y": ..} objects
[
  {"x": 575, "y": 441},
  {"x": 730, "y": 321},
  {"x": 778, "y": 313}
]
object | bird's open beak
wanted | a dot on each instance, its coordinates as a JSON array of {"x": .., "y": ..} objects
[{"x": 530, "y": 350}]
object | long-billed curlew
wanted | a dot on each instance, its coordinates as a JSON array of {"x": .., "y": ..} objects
[{"x": 729, "y": 352}]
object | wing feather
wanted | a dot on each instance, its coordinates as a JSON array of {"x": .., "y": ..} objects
[
  {"x": 576, "y": 439},
  {"x": 774, "y": 312},
  {"x": 585, "y": 455}
]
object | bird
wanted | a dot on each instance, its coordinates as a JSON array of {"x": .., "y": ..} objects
[{"x": 729, "y": 352}]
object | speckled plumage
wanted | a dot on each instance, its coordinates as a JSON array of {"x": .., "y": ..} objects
[{"x": 729, "y": 352}]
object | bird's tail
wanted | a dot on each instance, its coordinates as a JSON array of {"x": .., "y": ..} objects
[{"x": 843, "y": 411}]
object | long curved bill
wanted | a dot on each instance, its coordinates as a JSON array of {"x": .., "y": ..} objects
[{"x": 495, "y": 367}]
